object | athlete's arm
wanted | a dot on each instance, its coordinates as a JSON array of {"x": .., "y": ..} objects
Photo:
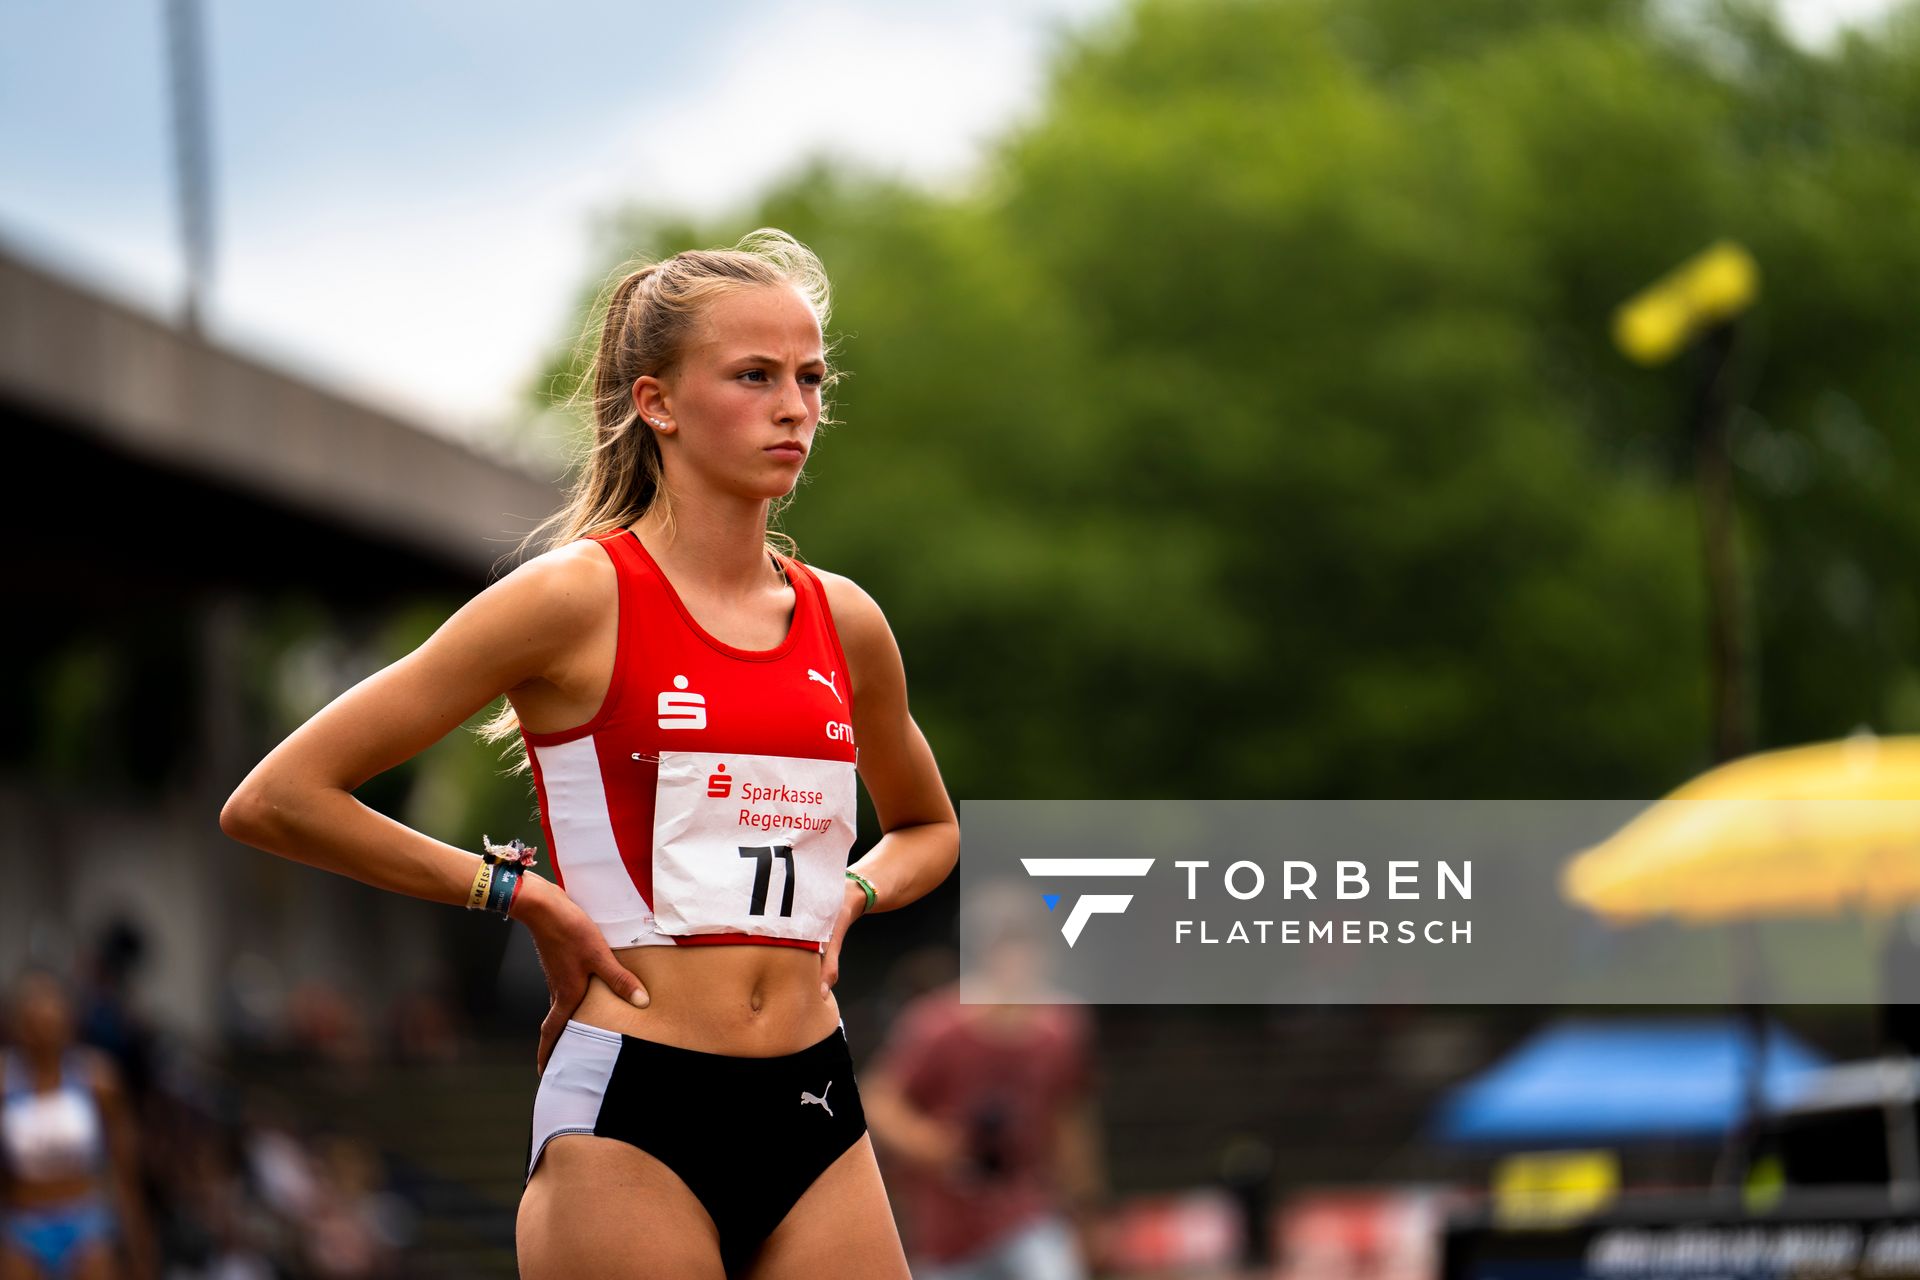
[
  {"x": 922, "y": 833},
  {"x": 298, "y": 802},
  {"x": 901, "y": 1126},
  {"x": 904, "y": 1130}
]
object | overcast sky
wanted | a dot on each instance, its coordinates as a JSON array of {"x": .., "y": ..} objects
[{"x": 403, "y": 189}]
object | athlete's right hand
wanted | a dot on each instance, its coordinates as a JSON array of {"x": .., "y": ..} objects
[{"x": 571, "y": 950}]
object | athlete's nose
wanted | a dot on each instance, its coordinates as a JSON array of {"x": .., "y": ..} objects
[{"x": 793, "y": 405}]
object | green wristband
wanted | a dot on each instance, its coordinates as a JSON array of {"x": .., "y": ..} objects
[{"x": 866, "y": 886}]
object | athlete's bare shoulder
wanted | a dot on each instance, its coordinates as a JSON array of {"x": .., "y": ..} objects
[
  {"x": 555, "y": 600},
  {"x": 581, "y": 563},
  {"x": 864, "y": 634},
  {"x": 570, "y": 584},
  {"x": 856, "y": 615}
]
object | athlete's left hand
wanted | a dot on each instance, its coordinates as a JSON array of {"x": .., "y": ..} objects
[{"x": 852, "y": 907}]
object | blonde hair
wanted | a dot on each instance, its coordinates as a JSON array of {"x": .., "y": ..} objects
[{"x": 645, "y": 320}]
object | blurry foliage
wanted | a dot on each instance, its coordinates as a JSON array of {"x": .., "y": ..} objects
[
  {"x": 301, "y": 656},
  {"x": 1252, "y": 429},
  {"x": 98, "y": 707}
]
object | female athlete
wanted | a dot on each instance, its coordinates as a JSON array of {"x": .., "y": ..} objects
[
  {"x": 69, "y": 1167},
  {"x": 690, "y": 700}
]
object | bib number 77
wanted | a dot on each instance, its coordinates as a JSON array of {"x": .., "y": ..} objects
[
  {"x": 713, "y": 855},
  {"x": 763, "y": 875}
]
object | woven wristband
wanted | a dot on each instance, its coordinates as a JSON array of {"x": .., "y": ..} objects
[
  {"x": 507, "y": 864},
  {"x": 482, "y": 884},
  {"x": 501, "y": 894}
]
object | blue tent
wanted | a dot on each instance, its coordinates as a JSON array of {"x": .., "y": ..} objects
[{"x": 1586, "y": 1080}]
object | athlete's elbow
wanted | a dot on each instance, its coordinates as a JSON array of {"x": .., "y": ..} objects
[
  {"x": 241, "y": 817},
  {"x": 252, "y": 814},
  {"x": 949, "y": 850}
]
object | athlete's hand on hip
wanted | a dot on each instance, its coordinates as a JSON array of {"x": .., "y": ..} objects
[
  {"x": 852, "y": 906},
  {"x": 572, "y": 950}
]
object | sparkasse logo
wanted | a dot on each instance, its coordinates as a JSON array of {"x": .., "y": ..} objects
[{"x": 1089, "y": 904}]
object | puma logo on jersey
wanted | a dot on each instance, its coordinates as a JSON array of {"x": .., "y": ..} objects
[
  {"x": 682, "y": 710},
  {"x": 815, "y": 675},
  {"x": 806, "y": 1097}
]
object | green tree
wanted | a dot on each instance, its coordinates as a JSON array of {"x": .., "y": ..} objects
[{"x": 1251, "y": 426}]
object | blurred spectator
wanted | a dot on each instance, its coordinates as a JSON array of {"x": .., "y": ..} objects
[
  {"x": 283, "y": 1171},
  {"x": 324, "y": 1023},
  {"x": 215, "y": 1228},
  {"x": 424, "y": 1027},
  {"x": 986, "y": 1114},
  {"x": 355, "y": 1229},
  {"x": 108, "y": 1019},
  {"x": 1246, "y": 1171},
  {"x": 68, "y": 1143},
  {"x": 253, "y": 1008},
  {"x": 234, "y": 1191}
]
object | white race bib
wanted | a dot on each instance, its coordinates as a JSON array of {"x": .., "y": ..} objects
[{"x": 751, "y": 844}]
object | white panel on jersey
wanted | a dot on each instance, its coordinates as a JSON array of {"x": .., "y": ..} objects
[
  {"x": 751, "y": 844},
  {"x": 584, "y": 847},
  {"x": 573, "y": 1084}
]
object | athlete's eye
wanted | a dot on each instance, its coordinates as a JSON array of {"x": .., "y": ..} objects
[{"x": 810, "y": 379}]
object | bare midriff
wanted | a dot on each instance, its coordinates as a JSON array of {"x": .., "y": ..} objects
[
  {"x": 746, "y": 1000},
  {"x": 32, "y": 1194}
]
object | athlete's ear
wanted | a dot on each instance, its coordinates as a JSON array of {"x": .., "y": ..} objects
[{"x": 650, "y": 402}]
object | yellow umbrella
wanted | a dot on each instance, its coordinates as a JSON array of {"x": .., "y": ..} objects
[{"x": 1807, "y": 830}]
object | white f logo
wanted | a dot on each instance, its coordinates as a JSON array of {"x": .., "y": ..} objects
[{"x": 1090, "y": 904}]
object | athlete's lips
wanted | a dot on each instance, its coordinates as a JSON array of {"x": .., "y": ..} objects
[{"x": 793, "y": 447}]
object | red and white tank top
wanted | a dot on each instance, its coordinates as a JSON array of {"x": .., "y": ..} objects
[{"x": 712, "y": 796}]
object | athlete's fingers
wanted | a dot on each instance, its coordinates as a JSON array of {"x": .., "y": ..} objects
[
  {"x": 622, "y": 979},
  {"x": 830, "y": 956},
  {"x": 566, "y": 986},
  {"x": 830, "y": 964}
]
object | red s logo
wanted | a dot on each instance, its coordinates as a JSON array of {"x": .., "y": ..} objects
[{"x": 719, "y": 785}]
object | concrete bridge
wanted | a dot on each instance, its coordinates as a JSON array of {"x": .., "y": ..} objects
[{"x": 168, "y": 502}]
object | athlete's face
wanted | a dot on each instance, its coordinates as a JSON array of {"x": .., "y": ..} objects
[
  {"x": 41, "y": 1019},
  {"x": 744, "y": 402}
]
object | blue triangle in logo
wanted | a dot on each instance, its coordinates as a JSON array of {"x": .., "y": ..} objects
[{"x": 1051, "y": 899}]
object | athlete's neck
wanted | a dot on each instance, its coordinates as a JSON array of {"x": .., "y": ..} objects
[{"x": 717, "y": 555}]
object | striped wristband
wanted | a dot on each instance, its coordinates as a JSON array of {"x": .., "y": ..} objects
[{"x": 498, "y": 881}]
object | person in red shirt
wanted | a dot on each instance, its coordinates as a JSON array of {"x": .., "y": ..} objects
[{"x": 987, "y": 1112}]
